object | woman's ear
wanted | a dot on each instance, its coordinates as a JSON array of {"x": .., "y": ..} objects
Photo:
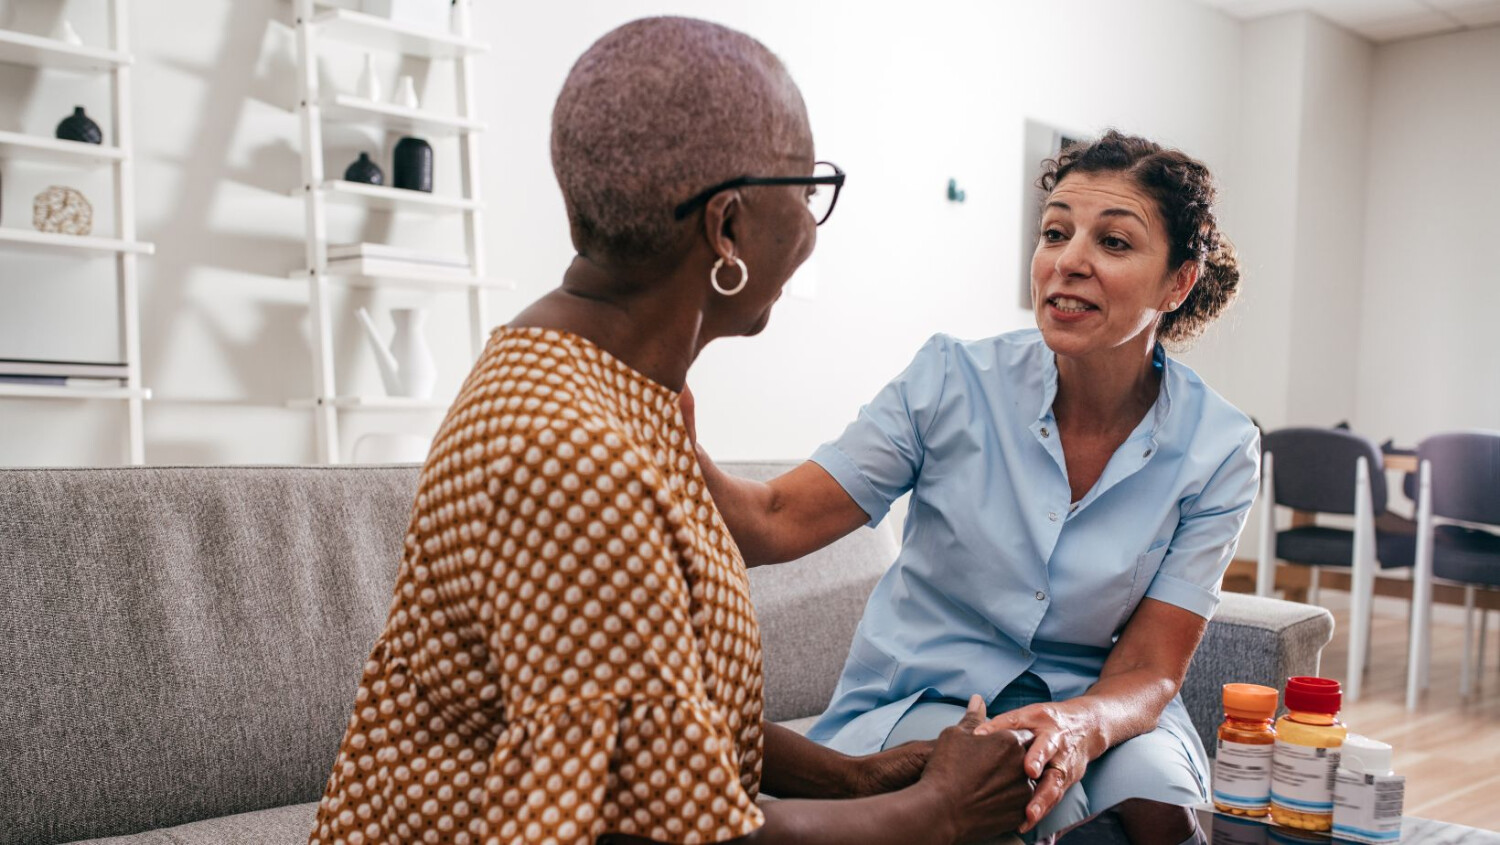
[
  {"x": 1183, "y": 282},
  {"x": 720, "y": 221}
]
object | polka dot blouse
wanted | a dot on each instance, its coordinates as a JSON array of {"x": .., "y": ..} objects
[{"x": 571, "y": 650}]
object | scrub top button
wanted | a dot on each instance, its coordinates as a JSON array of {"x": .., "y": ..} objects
[{"x": 1041, "y": 596}]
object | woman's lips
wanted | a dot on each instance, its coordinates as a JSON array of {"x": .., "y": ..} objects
[{"x": 1070, "y": 309}]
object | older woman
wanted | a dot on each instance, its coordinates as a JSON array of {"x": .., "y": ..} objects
[
  {"x": 572, "y": 653},
  {"x": 1075, "y": 497}
]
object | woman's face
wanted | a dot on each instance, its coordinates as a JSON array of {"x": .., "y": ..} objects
[
  {"x": 1099, "y": 276},
  {"x": 777, "y": 234}
]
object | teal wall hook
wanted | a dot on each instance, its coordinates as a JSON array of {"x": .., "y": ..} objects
[{"x": 954, "y": 194}]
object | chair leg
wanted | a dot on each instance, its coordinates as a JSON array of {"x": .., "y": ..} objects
[
  {"x": 1421, "y": 618},
  {"x": 1484, "y": 617},
  {"x": 1465, "y": 671},
  {"x": 1312, "y": 585},
  {"x": 1265, "y": 566}
]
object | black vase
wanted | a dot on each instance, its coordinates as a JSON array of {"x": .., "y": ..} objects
[
  {"x": 414, "y": 164},
  {"x": 365, "y": 171},
  {"x": 78, "y": 127}
]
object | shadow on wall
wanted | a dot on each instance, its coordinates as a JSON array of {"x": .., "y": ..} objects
[{"x": 246, "y": 75}]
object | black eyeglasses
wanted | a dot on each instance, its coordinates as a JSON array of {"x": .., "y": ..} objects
[{"x": 820, "y": 200}]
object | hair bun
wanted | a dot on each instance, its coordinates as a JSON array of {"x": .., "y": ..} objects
[{"x": 1223, "y": 263}]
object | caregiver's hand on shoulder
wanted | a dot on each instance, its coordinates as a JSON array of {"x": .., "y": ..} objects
[
  {"x": 981, "y": 776},
  {"x": 1065, "y": 744}
]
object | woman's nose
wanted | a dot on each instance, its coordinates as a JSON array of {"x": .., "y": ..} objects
[{"x": 1074, "y": 259}]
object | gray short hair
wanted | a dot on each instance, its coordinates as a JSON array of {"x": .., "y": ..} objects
[{"x": 656, "y": 111}]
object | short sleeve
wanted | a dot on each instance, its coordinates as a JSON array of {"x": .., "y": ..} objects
[
  {"x": 879, "y": 455},
  {"x": 1207, "y": 534},
  {"x": 662, "y": 770}
]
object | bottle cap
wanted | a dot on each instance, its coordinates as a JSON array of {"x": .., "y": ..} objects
[
  {"x": 1366, "y": 756},
  {"x": 1249, "y": 701},
  {"x": 1313, "y": 695}
]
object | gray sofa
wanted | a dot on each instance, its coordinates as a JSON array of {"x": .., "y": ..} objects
[{"x": 183, "y": 643}]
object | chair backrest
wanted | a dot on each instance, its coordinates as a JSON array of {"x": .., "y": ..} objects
[
  {"x": 1314, "y": 469},
  {"x": 1465, "y": 474}
]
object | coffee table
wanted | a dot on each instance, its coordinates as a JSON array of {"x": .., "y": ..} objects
[
  {"x": 1220, "y": 829},
  {"x": 1234, "y": 830}
]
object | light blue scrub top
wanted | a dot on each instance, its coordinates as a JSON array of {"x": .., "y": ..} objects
[{"x": 1000, "y": 572}]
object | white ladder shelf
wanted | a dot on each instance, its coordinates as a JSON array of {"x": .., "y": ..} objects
[
  {"x": 371, "y": 33},
  {"x": 114, "y": 62}
]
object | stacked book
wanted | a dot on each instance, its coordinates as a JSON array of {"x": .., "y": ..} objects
[
  {"x": 371, "y": 259},
  {"x": 31, "y": 371}
]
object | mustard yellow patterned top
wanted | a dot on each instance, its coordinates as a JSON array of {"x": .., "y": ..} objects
[{"x": 571, "y": 650}]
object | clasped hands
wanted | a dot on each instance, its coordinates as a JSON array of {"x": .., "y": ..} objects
[{"x": 1011, "y": 770}]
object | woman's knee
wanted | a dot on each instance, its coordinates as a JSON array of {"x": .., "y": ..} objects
[
  {"x": 923, "y": 720},
  {"x": 1153, "y": 766}
]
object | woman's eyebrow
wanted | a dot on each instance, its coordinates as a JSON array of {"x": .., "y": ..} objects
[{"x": 1123, "y": 212}]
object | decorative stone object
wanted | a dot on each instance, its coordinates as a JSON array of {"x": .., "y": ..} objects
[
  {"x": 413, "y": 164},
  {"x": 62, "y": 210},
  {"x": 79, "y": 127},
  {"x": 365, "y": 171}
]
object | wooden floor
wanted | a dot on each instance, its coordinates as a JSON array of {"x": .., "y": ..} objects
[{"x": 1449, "y": 749}]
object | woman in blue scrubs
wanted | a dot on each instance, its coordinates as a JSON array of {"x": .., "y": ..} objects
[{"x": 1076, "y": 495}]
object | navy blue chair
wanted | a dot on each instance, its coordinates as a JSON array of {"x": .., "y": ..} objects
[
  {"x": 1331, "y": 471},
  {"x": 1459, "y": 484}
]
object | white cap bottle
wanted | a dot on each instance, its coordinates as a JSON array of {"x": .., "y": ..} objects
[{"x": 1367, "y": 797}]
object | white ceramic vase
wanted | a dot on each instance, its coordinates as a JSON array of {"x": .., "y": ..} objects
[
  {"x": 369, "y": 81},
  {"x": 407, "y": 368},
  {"x": 406, "y": 94}
]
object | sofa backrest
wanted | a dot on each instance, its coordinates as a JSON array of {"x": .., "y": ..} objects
[{"x": 184, "y": 643}]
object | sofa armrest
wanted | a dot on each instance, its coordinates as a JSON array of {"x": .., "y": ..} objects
[{"x": 1252, "y": 640}]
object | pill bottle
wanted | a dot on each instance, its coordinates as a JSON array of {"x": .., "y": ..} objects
[
  {"x": 1242, "y": 761},
  {"x": 1306, "y": 756},
  {"x": 1367, "y": 796}
]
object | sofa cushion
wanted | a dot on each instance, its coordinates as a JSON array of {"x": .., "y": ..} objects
[
  {"x": 277, "y": 826},
  {"x": 183, "y": 643}
]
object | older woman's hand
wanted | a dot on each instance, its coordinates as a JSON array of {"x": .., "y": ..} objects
[
  {"x": 892, "y": 769},
  {"x": 1067, "y": 740}
]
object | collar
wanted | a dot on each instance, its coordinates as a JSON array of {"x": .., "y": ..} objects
[{"x": 1159, "y": 409}]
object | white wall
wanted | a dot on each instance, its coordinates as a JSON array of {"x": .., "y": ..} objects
[
  {"x": 1294, "y": 199},
  {"x": 1430, "y": 353},
  {"x": 901, "y": 101}
]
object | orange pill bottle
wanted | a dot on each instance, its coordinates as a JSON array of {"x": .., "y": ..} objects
[{"x": 1242, "y": 761}]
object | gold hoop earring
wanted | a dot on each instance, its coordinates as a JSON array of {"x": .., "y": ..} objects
[{"x": 713, "y": 277}]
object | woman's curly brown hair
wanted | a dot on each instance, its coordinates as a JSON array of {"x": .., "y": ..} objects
[{"x": 1184, "y": 192}]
